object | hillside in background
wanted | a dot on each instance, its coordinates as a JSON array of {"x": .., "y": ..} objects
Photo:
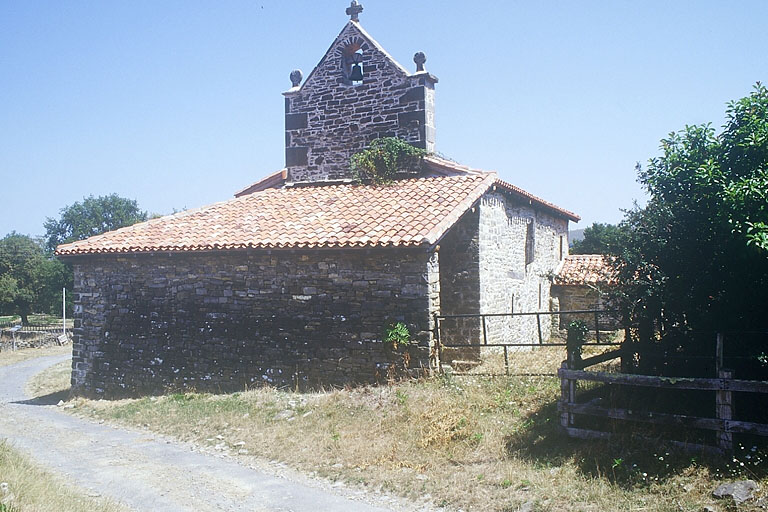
[{"x": 576, "y": 234}]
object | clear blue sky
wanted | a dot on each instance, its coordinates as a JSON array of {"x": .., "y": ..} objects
[{"x": 177, "y": 103}]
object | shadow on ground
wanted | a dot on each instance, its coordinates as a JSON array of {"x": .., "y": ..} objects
[
  {"x": 626, "y": 460},
  {"x": 49, "y": 399}
]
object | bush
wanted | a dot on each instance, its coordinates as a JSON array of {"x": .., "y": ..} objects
[{"x": 385, "y": 159}]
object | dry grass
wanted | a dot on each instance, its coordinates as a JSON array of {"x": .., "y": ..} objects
[
  {"x": 8, "y": 357},
  {"x": 27, "y": 488},
  {"x": 53, "y": 382},
  {"x": 470, "y": 443}
]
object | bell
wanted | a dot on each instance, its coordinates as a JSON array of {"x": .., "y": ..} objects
[{"x": 357, "y": 73}]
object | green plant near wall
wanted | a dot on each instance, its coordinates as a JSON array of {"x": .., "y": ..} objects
[
  {"x": 397, "y": 335},
  {"x": 385, "y": 159},
  {"x": 577, "y": 335}
]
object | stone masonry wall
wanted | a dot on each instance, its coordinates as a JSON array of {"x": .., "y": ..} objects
[
  {"x": 581, "y": 298},
  {"x": 331, "y": 118},
  {"x": 460, "y": 286},
  {"x": 520, "y": 247},
  {"x": 223, "y": 321}
]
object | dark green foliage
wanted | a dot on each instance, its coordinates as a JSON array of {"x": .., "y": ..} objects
[
  {"x": 577, "y": 335},
  {"x": 601, "y": 239},
  {"x": 95, "y": 215},
  {"x": 696, "y": 257},
  {"x": 385, "y": 159},
  {"x": 397, "y": 334},
  {"x": 29, "y": 281}
]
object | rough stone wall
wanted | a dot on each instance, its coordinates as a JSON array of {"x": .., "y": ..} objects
[
  {"x": 520, "y": 247},
  {"x": 581, "y": 298},
  {"x": 460, "y": 285},
  {"x": 330, "y": 118},
  {"x": 148, "y": 323}
]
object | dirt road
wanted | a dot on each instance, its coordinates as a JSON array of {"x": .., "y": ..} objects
[{"x": 149, "y": 472}]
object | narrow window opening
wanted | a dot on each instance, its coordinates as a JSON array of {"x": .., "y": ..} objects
[
  {"x": 561, "y": 247},
  {"x": 530, "y": 245},
  {"x": 539, "y": 296}
]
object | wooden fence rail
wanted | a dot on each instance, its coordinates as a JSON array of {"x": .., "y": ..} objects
[{"x": 723, "y": 386}]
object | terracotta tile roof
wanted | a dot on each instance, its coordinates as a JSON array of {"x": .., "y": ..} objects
[
  {"x": 434, "y": 166},
  {"x": 537, "y": 201},
  {"x": 584, "y": 269},
  {"x": 274, "y": 180},
  {"x": 408, "y": 213}
]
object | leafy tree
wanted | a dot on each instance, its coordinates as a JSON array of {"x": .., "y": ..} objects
[
  {"x": 600, "y": 239},
  {"x": 95, "y": 215},
  {"x": 29, "y": 281},
  {"x": 696, "y": 256}
]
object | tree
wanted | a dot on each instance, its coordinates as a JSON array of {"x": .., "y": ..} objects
[
  {"x": 600, "y": 239},
  {"x": 95, "y": 215},
  {"x": 28, "y": 280},
  {"x": 696, "y": 256}
]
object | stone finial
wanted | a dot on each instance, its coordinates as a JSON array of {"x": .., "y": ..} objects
[
  {"x": 296, "y": 77},
  {"x": 419, "y": 59},
  {"x": 354, "y": 10}
]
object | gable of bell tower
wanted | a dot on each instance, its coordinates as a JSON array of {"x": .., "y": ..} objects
[{"x": 355, "y": 94}]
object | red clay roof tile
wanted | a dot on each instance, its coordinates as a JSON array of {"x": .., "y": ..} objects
[
  {"x": 407, "y": 213},
  {"x": 585, "y": 269}
]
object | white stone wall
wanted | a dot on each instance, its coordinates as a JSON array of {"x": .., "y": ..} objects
[{"x": 506, "y": 281}]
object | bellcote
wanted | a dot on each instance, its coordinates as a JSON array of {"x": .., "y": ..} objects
[{"x": 355, "y": 94}]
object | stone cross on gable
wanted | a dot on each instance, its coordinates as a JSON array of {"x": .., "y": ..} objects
[{"x": 354, "y": 10}]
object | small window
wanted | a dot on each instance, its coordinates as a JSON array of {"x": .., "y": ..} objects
[
  {"x": 562, "y": 239},
  {"x": 530, "y": 243},
  {"x": 539, "y": 296}
]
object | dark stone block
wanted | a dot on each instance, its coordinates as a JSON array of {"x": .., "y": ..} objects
[
  {"x": 296, "y": 156},
  {"x": 296, "y": 121},
  {"x": 415, "y": 94},
  {"x": 406, "y": 118}
]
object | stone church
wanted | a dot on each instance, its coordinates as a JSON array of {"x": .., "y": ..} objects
[{"x": 294, "y": 281}]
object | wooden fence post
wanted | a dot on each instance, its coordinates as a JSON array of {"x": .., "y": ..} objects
[
  {"x": 719, "y": 354},
  {"x": 567, "y": 395},
  {"x": 724, "y": 411}
]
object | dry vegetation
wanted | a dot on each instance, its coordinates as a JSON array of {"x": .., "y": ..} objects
[
  {"x": 471, "y": 443},
  {"x": 8, "y": 357},
  {"x": 26, "y": 488}
]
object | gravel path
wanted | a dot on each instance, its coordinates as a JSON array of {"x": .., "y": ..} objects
[{"x": 149, "y": 472}]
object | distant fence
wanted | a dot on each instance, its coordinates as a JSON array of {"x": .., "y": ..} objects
[{"x": 34, "y": 327}]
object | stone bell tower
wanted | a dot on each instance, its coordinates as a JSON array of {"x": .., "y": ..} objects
[{"x": 355, "y": 94}]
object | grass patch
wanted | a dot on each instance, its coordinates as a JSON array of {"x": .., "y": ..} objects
[
  {"x": 475, "y": 443},
  {"x": 26, "y": 487},
  {"x": 8, "y": 357},
  {"x": 51, "y": 385}
]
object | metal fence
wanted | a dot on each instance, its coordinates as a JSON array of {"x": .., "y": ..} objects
[{"x": 523, "y": 344}]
